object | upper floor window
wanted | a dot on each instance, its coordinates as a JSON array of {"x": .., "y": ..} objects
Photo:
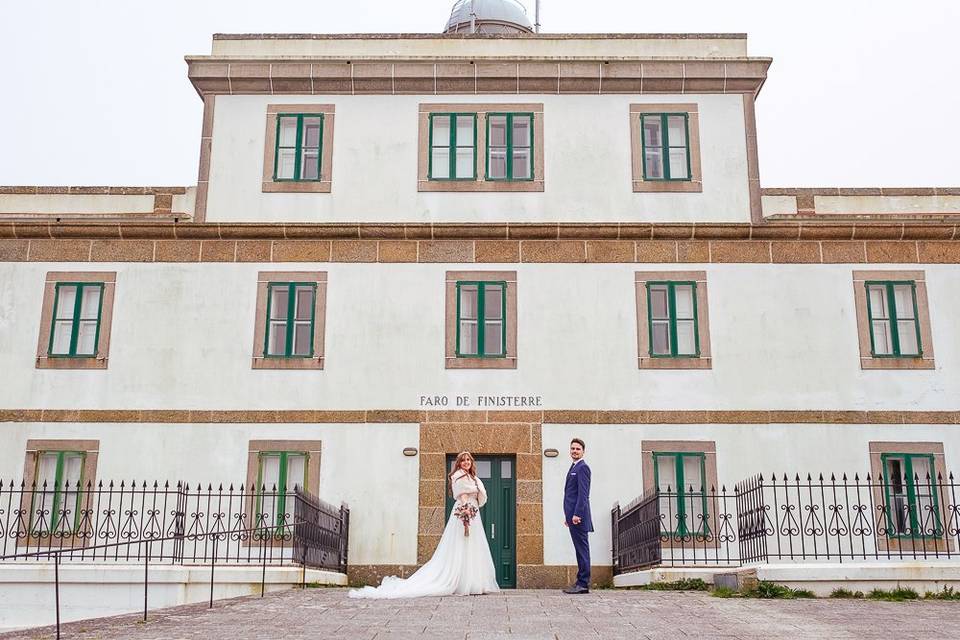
[
  {"x": 75, "y": 320},
  {"x": 665, "y": 146},
  {"x": 289, "y": 328},
  {"x": 481, "y": 320},
  {"x": 893, "y": 320},
  {"x": 673, "y": 326},
  {"x": 480, "y": 147},
  {"x": 453, "y": 146},
  {"x": 510, "y": 146},
  {"x": 892, "y": 310},
  {"x": 298, "y": 148},
  {"x": 299, "y": 139}
]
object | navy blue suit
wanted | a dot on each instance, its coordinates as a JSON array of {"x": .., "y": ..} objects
[{"x": 576, "y": 502}]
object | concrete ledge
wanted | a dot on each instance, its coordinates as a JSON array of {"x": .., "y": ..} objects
[{"x": 98, "y": 590}]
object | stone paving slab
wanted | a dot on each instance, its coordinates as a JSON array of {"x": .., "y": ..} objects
[{"x": 531, "y": 615}]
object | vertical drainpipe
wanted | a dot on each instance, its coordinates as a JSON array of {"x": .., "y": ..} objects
[{"x": 536, "y": 17}]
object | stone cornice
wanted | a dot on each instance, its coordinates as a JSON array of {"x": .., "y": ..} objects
[
  {"x": 480, "y": 36},
  {"x": 212, "y": 75}
]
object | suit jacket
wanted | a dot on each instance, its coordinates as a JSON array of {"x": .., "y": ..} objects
[{"x": 576, "y": 496}]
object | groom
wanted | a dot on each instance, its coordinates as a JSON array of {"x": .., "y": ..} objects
[{"x": 576, "y": 514}]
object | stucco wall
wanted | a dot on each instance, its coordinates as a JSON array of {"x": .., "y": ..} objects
[
  {"x": 587, "y": 164},
  {"x": 783, "y": 337}
]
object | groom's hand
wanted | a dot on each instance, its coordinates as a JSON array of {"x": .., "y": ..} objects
[{"x": 575, "y": 519}]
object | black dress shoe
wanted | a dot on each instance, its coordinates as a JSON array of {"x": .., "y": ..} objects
[{"x": 576, "y": 589}]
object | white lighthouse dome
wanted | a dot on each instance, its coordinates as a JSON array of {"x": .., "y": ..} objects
[{"x": 488, "y": 16}]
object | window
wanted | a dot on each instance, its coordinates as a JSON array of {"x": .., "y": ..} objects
[
  {"x": 893, "y": 320},
  {"x": 274, "y": 469},
  {"x": 892, "y": 310},
  {"x": 910, "y": 487},
  {"x": 672, "y": 316},
  {"x": 59, "y": 473},
  {"x": 453, "y": 146},
  {"x": 509, "y": 146},
  {"x": 290, "y": 315},
  {"x": 679, "y": 477},
  {"x": 480, "y": 147},
  {"x": 481, "y": 320},
  {"x": 75, "y": 320},
  {"x": 684, "y": 472},
  {"x": 481, "y": 331},
  {"x": 665, "y": 145},
  {"x": 673, "y": 327},
  {"x": 298, "y": 148},
  {"x": 907, "y": 492},
  {"x": 289, "y": 326},
  {"x": 280, "y": 472}
]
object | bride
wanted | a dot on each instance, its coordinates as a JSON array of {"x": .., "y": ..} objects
[{"x": 461, "y": 565}]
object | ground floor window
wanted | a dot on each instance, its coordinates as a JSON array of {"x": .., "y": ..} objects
[
  {"x": 910, "y": 488},
  {"x": 679, "y": 479},
  {"x": 55, "y": 503},
  {"x": 280, "y": 473}
]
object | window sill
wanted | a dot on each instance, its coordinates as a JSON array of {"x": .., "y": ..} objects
[
  {"x": 294, "y": 186},
  {"x": 85, "y": 362},
  {"x": 897, "y": 363},
  {"x": 480, "y": 185},
  {"x": 647, "y": 362},
  {"x": 482, "y": 363},
  {"x": 287, "y": 363},
  {"x": 667, "y": 186}
]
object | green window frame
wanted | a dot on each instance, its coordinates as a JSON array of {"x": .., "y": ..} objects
[
  {"x": 672, "y": 168},
  {"x": 904, "y": 485},
  {"x": 684, "y": 494},
  {"x": 289, "y": 320},
  {"x": 483, "y": 319},
  {"x": 452, "y": 145},
  {"x": 511, "y": 147},
  {"x": 60, "y": 491},
  {"x": 76, "y": 318},
  {"x": 891, "y": 319},
  {"x": 671, "y": 320},
  {"x": 279, "y": 491},
  {"x": 307, "y": 152}
]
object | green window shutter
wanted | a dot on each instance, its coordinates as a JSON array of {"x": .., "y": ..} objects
[
  {"x": 665, "y": 140},
  {"x": 299, "y": 147},
  {"x": 278, "y": 474},
  {"x": 893, "y": 319},
  {"x": 910, "y": 492},
  {"x": 681, "y": 480},
  {"x": 291, "y": 311},
  {"x": 672, "y": 321},
  {"x": 453, "y": 146},
  {"x": 510, "y": 148},
  {"x": 77, "y": 310},
  {"x": 481, "y": 319},
  {"x": 55, "y": 503}
]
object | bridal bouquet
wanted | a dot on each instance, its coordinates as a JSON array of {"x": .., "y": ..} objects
[{"x": 465, "y": 512}]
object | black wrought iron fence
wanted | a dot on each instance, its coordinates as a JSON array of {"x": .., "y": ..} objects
[
  {"x": 183, "y": 523},
  {"x": 320, "y": 533}
]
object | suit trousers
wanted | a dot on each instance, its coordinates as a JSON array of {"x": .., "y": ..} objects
[{"x": 581, "y": 544}]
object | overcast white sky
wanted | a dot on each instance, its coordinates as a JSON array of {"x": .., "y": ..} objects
[{"x": 861, "y": 93}]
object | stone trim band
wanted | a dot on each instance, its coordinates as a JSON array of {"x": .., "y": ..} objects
[{"x": 410, "y": 416}]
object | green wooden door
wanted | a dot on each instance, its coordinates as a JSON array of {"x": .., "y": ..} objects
[{"x": 499, "y": 515}]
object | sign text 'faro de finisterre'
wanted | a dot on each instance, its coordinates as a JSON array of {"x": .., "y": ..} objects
[{"x": 480, "y": 402}]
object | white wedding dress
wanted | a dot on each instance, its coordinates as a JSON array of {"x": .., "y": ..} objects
[{"x": 460, "y": 566}]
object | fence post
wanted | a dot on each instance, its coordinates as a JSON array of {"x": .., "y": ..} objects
[
  {"x": 615, "y": 537},
  {"x": 146, "y": 581},
  {"x": 56, "y": 579},
  {"x": 213, "y": 564}
]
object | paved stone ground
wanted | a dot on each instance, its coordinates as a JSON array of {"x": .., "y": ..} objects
[{"x": 327, "y": 613}]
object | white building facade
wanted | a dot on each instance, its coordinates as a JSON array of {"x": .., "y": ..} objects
[{"x": 405, "y": 246}]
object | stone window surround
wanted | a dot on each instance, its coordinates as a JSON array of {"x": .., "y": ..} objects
[
  {"x": 695, "y": 183},
  {"x": 644, "y": 359},
  {"x": 867, "y": 360},
  {"x": 99, "y": 361},
  {"x": 325, "y": 183},
  {"x": 706, "y": 447},
  {"x": 264, "y": 278},
  {"x": 450, "y": 339},
  {"x": 935, "y": 449},
  {"x": 91, "y": 450},
  {"x": 480, "y": 184}
]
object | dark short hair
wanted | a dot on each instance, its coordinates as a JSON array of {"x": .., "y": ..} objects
[{"x": 579, "y": 442}]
